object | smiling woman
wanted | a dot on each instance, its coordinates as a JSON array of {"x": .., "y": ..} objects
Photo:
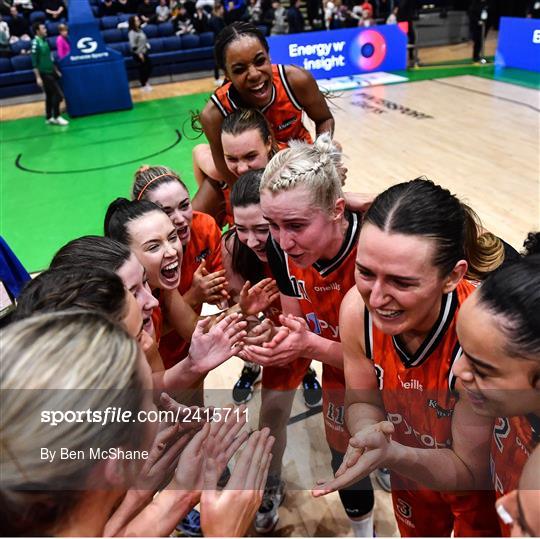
[
  {"x": 401, "y": 319},
  {"x": 282, "y": 93}
]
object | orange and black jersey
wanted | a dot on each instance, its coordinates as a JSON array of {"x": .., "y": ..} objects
[
  {"x": 320, "y": 289},
  {"x": 419, "y": 399},
  {"x": 417, "y": 389},
  {"x": 283, "y": 112},
  {"x": 514, "y": 439}
]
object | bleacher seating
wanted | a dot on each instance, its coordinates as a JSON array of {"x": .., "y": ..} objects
[{"x": 170, "y": 54}]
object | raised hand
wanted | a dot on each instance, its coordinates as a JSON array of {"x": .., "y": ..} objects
[
  {"x": 163, "y": 457},
  {"x": 208, "y": 287},
  {"x": 182, "y": 413},
  {"x": 257, "y": 298},
  {"x": 230, "y": 512},
  {"x": 288, "y": 344},
  {"x": 211, "y": 347},
  {"x": 368, "y": 450}
]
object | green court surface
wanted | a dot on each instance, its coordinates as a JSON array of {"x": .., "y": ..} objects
[{"x": 56, "y": 182}]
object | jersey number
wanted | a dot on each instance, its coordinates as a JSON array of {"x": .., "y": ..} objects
[
  {"x": 379, "y": 371},
  {"x": 500, "y": 432},
  {"x": 299, "y": 288},
  {"x": 336, "y": 414}
]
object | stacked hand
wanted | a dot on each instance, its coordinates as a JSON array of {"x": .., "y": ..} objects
[
  {"x": 368, "y": 450},
  {"x": 288, "y": 344},
  {"x": 261, "y": 333}
]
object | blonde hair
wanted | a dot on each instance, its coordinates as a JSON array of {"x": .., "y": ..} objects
[
  {"x": 314, "y": 166},
  {"x": 64, "y": 361}
]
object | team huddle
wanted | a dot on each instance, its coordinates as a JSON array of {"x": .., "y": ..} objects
[{"x": 426, "y": 324}]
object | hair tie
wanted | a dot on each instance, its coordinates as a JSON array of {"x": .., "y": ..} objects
[{"x": 151, "y": 182}]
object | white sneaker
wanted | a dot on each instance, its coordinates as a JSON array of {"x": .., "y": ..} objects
[
  {"x": 50, "y": 121},
  {"x": 147, "y": 88},
  {"x": 267, "y": 516},
  {"x": 218, "y": 82},
  {"x": 60, "y": 121}
]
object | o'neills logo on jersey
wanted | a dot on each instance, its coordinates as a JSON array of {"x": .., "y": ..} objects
[
  {"x": 286, "y": 123},
  {"x": 328, "y": 288},
  {"x": 411, "y": 384},
  {"x": 441, "y": 412}
]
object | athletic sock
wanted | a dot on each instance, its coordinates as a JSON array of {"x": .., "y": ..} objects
[{"x": 364, "y": 527}]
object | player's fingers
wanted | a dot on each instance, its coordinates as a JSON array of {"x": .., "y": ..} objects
[
  {"x": 202, "y": 326},
  {"x": 265, "y": 464}
]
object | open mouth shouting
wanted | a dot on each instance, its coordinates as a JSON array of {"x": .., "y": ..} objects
[
  {"x": 184, "y": 234},
  {"x": 170, "y": 274},
  {"x": 148, "y": 326},
  {"x": 261, "y": 91}
]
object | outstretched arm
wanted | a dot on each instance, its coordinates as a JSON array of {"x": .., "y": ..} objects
[
  {"x": 211, "y": 120},
  {"x": 311, "y": 99}
]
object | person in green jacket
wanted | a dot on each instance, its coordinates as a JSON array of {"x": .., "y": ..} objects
[{"x": 47, "y": 75}]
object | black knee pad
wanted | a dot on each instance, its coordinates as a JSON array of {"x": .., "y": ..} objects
[{"x": 357, "y": 499}]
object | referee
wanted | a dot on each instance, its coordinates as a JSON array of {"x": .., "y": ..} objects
[{"x": 47, "y": 75}]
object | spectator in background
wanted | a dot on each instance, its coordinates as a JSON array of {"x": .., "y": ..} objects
[
  {"x": 18, "y": 26},
  {"x": 234, "y": 10},
  {"x": 200, "y": 20},
  {"x": 216, "y": 23},
  {"x": 207, "y": 5},
  {"x": 139, "y": 49},
  {"x": 392, "y": 18},
  {"x": 385, "y": 9},
  {"x": 107, "y": 8},
  {"x": 406, "y": 13},
  {"x": 182, "y": 21},
  {"x": 279, "y": 23},
  {"x": 125, "y": 6},
  {"x": 478, "y": 23},
  {"x": 367, "y": 6},
  {"x": 25, "y": 7},
  {"x": 4, "y": 39},
  {"x": 163, "y": 11},
  {"x": 254, "y": 11},
  {"x": 47, "y": 75},
  {"x": 62, "y": 41},
  {"x": 329, "y": 9},
  {"x": 295, "y": 18},
  {"x": 367, "y": 19},
  {"x": 146, "y": 12},
  {"x": 314, "y": 12},
  {"x": 55, "y": 10}
]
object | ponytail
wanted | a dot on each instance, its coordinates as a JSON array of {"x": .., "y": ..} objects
[{"x": 484, "y": 251}]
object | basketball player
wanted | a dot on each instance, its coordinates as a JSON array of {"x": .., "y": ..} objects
[
  {"x": 282, "y": 93},
  {"x": 311, "y": 254},
  {"x": 401, "y": 319}
]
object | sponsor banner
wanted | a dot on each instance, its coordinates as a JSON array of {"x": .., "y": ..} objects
[
  {"x": 344, "y": 52},
  {"x": 377, "y": 78},
  {"x": 519, "y": 44}
]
